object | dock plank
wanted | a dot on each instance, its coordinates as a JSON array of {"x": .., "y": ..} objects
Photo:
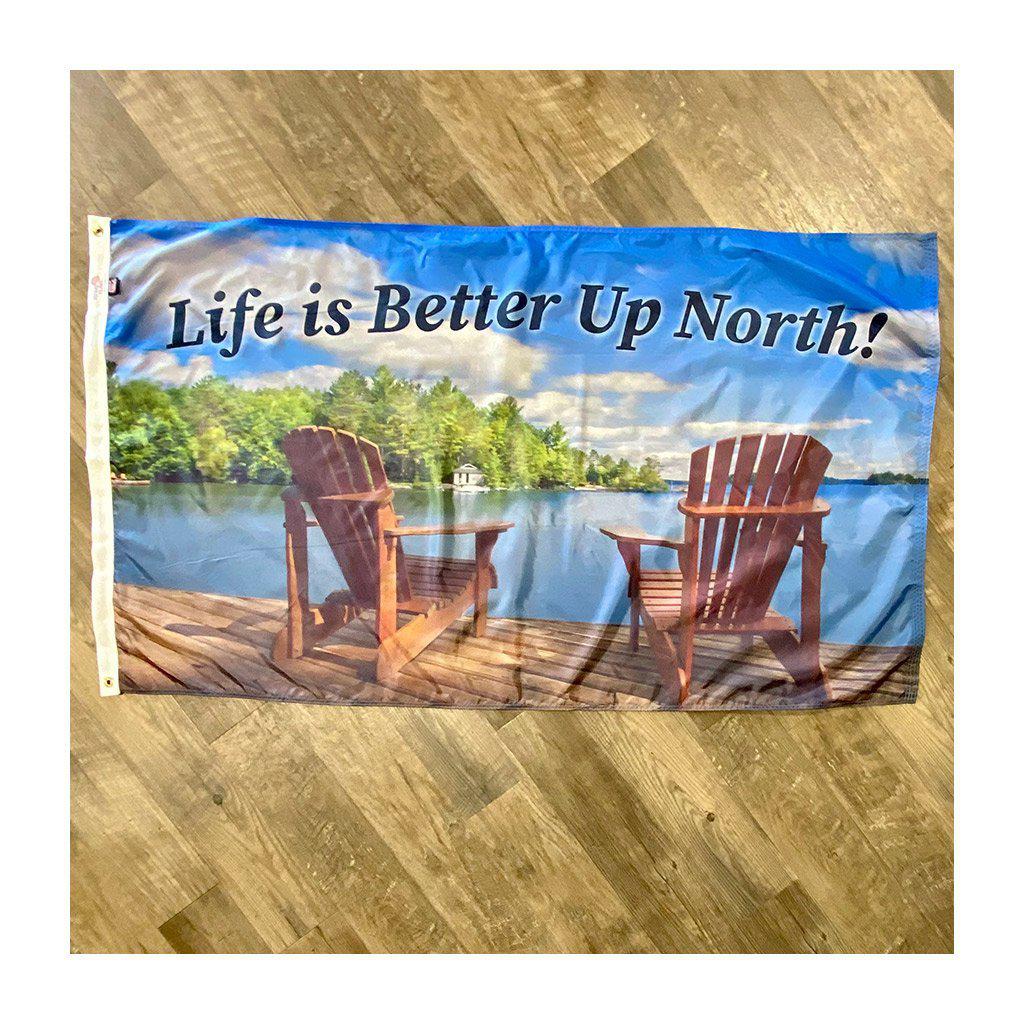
[{"x": 185, "y": 642}]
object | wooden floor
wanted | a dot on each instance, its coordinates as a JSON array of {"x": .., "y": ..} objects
[
  {"x": 180, "y": 642},
  {"x": 236, "y": 825}
]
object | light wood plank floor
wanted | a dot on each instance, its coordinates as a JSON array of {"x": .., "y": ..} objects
[{"x": 233, "y": 825}]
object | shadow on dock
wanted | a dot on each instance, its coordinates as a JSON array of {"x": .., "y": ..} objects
[{"x": 176, "y": 642}]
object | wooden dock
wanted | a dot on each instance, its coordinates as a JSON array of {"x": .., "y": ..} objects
[{"x": 175, "y": 641}]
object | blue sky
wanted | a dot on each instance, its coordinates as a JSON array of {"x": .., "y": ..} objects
[{"x": 666, "y": 398}]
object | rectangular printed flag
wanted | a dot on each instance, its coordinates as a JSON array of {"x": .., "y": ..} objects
[{"x": 542, "y": 467}]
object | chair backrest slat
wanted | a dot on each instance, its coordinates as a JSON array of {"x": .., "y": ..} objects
[
  {"x": 374, "y": 463},
  {"x": 746, "y": 545},
  {"x": 698, "y": 474},
  {"x": 748, "y": 555},
  {"x": 750, "y": 445},
  {"x": 720, "y": 467},
  {"x": 328, "y": 462},
  {"x": 803, "y": 486},
  {"x": 747, "y": 596},
  {"x": 379, "y": 478}
]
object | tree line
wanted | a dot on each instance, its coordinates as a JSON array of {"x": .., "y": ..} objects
[{"x": 217, "y": 431}]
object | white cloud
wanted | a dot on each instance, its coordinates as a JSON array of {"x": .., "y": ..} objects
[
  {"x": 847, "y": 467},
  {"x": 638, "y": 441},
  {"x": 612, "y": 427},
  {"x": 609, "y": 426},
  {"x": 479, "y": 361},
  {"x": 901, "y": 389},
  {"x": 579, "y": 414},
  {"x": 734, "y": 428},
  {"x": 619, "y": 381},
  {"x": 909, "y": 340},
  {"x": 159, "y": 366},
  {"x": 317, "y": 378},
  {"x": 155, "y": 273},
  {"x": 909, "y": 252},
  {"x": 632, "y": 431},
  {"x": 671, "y": 444}
]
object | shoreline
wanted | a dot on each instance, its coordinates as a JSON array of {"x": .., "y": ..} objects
[{"x": 403, "y": 485}]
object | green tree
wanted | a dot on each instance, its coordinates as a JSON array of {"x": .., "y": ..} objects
[
  {"x": 625, "y": 477},
  {"x": 556, "y": 470},
  {"x": 649, "y": 476},
  {"x": 215, "y": 452},
  {"x": 578, "y": 469},
  {"x": 148, "y": 437},
  {"x": 394, "y": 414},
  {"x": 457, "y": 429},
  {"x": 346, "y": 404},
  {"x": 217, "y": 430}
]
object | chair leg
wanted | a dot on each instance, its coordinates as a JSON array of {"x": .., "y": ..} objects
[
  {"x": 482, "y": 581},
  {"x": 631, "y": 556},
  {"x": 391, "y": 659},
  {"x": 387, "y": 601},
  {"x": 666, "y": 656},
  {"x": 684, "y": 659},
  {"x": 799, "y": 658},
  {"x": 290, "y": 641},
  {"x": 688, "y": 610},
  {"x": 802, "y": 657}
]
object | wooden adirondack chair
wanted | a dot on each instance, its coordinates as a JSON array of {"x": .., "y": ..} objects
[
  {"x": 740, "y": 528},
  {"x": 342, "y": 478}
]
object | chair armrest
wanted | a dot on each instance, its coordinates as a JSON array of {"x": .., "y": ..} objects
[
  {"x": 627, "y": 535},
  {"x": 379, "y": 497},
  {"x": 446, "y": 531},
  {"x": 801, "y": 509}
]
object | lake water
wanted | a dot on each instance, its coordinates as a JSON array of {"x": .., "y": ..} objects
[{"x": 555, "y": 564}]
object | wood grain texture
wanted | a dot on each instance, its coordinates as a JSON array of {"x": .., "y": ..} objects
[
  {"x": 182, "y": 642},
  {"x": 233, "y": 825}
]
